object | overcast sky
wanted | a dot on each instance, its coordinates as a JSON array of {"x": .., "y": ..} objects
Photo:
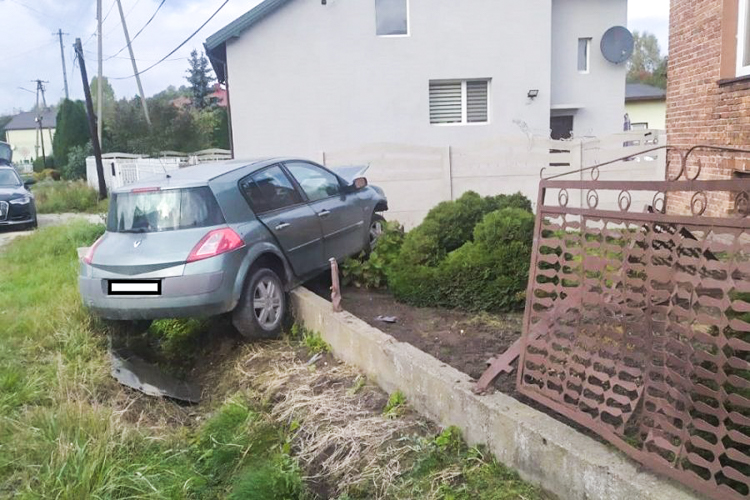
[{"x": 29, "y": 50}]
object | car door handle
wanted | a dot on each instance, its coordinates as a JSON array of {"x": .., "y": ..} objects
[
  {"x": 324, "y": 213},
  {"x": 282, "y": 226}
]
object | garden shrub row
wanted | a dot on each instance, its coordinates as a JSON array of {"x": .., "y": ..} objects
[{"x": 471, "y": 254}]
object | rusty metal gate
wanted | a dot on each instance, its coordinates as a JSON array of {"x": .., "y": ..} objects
[{"x": 637, "y": 321}]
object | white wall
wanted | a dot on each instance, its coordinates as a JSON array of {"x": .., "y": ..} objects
[
  {"x": 23, "y": 143},
  {"x": 311, "y": 78},
  {"x": 601, "y": 92},
  {"x": 416, "y": 178}
]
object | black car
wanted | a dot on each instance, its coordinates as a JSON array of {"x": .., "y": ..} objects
[{"x": 17, "y": 208}]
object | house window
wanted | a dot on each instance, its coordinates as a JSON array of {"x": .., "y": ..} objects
[
  {"x": 584, "y": 51},
  {"x": 459, "y": 102},
  {"x": 743, "y": 39},
  {"x": 392, "y": 17}
]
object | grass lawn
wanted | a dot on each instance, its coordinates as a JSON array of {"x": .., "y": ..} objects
[
  {"x": 69, "y": 431},
  {"x": 67, "y": 196}
]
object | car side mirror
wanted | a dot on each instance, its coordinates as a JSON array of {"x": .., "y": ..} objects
[
  {"x": 359, "y": 183},
  {"x": 29, "y": 182}
]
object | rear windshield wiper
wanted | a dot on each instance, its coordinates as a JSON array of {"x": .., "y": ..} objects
[{"x": 134, "y": 230}]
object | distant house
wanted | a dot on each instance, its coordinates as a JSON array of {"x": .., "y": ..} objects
[
  {"x": 308, "y": 76},
  {"x": 708, "y": 94},
  {"x": 22, "y": 133},
  {"x": 219, "y": 93},
  {"x": 646, "y": 106}
]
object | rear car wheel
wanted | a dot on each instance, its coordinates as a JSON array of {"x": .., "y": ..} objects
[{"x": 260, "y": 313}]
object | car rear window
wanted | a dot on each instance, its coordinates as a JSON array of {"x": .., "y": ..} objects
[{"x": 168, "y": 210}]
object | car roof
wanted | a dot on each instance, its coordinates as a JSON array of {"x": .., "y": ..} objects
[{"x": 199, "y": 175}]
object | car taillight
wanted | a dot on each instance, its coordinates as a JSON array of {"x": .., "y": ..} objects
[
  {"x": 90, "y": 254},
  {"x": 215, "y": 243}
]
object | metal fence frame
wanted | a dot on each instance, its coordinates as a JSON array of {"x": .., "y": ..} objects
[{"x": 621, "y": 367}]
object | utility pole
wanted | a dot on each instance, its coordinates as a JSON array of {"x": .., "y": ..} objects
[
  {"x": 62, "y": 56},
  {"x": 100, "y": 73},
  {"x": 92, "y": 121},
  {"x": 39, "y": 120},
  {"x": 135, "y": 66},
  {"x": 44, "y": 103}
]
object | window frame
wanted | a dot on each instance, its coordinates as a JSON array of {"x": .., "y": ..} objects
[
  {"x": 588, "y": 41},
  {"x": 290, "y": 178},
  {"x": 342, "y": 184},
  {"x": 464, "y": 103},
  {"x": 743, "y": 33},
  {"x": 408, "y": 22}
]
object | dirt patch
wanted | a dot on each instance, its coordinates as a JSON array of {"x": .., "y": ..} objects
[{"x": 462, "y": 340}]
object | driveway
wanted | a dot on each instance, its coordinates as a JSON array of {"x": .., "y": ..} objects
[{"x": 7, "y": 235}]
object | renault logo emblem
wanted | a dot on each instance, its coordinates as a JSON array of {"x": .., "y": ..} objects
[{"x": 137, "y": 243}]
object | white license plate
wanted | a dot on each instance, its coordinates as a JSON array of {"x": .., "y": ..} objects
[{"x": 134, "y": 287}]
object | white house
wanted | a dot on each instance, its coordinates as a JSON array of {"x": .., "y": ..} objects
[
  {"x": 25, "y": 137},
  {"x": 306, "y": 76}
]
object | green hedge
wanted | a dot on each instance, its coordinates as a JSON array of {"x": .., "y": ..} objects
[{"x": 470, "y": 254}]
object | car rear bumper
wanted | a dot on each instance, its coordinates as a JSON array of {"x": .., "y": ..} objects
[{"x": 181, "y": 296}]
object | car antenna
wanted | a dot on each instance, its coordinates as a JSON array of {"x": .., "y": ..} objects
[{"x": 161, "y": 163}]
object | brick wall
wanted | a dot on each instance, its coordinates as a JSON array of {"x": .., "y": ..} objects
[{"x": 700, "y": 110}]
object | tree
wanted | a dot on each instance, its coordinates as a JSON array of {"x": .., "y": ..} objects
[
  {"x": 200, "y": 79},
  {"x": 72, "y": 129},
  {"x": 108, "y": 99},
  {"x": 647, "y": 64}
]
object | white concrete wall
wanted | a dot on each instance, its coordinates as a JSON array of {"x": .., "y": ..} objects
[
  {"x": 311, "y": 78},
  {"x": 416, "y": 178},
  {"x": 600, "y": 92}
]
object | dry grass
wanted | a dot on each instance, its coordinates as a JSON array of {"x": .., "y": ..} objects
[{"x": 338, "y": 436}]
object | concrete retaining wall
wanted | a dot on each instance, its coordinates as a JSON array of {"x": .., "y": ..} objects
[{"x": 543, "y": 450}]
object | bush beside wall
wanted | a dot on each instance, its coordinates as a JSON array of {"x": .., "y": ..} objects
[{"x": 488, "y": 272}]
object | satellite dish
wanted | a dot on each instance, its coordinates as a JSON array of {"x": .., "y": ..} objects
[{"x": 617, "y": 44}]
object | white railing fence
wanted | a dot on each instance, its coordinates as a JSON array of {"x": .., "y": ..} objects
[{"x": 121, "y": 169}]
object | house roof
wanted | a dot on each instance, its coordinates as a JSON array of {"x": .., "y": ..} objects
[
  {"x": 27, "y": 120},
  {"x": 643, "y": 92},
  {"x": 216, "y": 44}
]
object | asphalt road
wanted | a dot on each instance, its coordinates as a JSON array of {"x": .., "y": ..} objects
[{"x": 7, "y": 235}]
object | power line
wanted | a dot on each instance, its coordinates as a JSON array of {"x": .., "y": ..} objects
[
  {"x": 93, "y": 60},
  {"x": 26, "y": 52},
  {"x": 139, "y": 32},
  {"x": 126, "y": 16},
  {"x": 178, "y": 47},
  {"x": 109, "y": 11}
]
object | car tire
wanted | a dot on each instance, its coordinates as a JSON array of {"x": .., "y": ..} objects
[
  {"x": 262, "y": 308},
  {"x": 375, "y": 231}
]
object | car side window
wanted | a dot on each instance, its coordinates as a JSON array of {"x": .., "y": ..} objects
[
  {"x": 269, "y": 189},
  {"x": 316, "y": 182}
]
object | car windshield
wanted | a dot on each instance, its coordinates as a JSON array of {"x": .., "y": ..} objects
[
  {"x": 9, "y": 178},
  {"x": 155, "y": 211}
]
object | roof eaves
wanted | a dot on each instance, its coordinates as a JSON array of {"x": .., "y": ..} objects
[
  {"x": 236, "y": 27},
  {"x": 643, "y": 98}
]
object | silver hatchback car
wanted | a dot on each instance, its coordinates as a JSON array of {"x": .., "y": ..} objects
[{"x": 226, "y": 237}]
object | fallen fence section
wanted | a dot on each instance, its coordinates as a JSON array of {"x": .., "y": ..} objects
[
  {"x": 542, "y": 449},
  {"x": 637, "y": 322}
]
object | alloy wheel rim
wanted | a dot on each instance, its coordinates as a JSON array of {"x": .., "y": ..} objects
[{"x": 267, "y": 303}]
